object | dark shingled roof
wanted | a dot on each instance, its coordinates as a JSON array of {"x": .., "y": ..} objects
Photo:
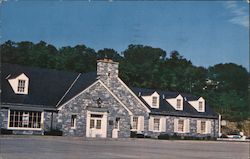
[
  {"x": 51, "y": 88},
  {"x": 46, "y": 86},
  {"x": 166, "y": 109}
]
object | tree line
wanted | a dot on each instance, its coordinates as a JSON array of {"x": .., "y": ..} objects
[{"x": 224, "y": 86}]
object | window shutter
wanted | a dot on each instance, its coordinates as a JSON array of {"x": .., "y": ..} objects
[
  {"x": 176, "y": 125},
  {"x": 198, "y": 126},
  {"x": 186, "y": 126},
  {"x": 163, "y": 124},
  {"x": 151, "y": 124},
  {"x": 141, "y": 123},
  {"x": 208, "y": 127}
]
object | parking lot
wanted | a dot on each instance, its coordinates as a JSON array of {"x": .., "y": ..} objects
[{"x": 44, "y": 147}]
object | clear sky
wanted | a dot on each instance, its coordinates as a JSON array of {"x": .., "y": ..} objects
[{"x": 206, "y": 32}]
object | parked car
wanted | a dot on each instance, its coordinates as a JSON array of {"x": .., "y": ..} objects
[{"x": 237, "y": 135}]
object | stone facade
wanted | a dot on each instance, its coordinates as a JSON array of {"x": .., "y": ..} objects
[
  {"x": 192, "y": 127},
  {"x": 112, "y": 81},
  {"x": 87, "y": 100}
]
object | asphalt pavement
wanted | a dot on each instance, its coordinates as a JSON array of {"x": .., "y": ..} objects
[{"x": 44, "y": 147}]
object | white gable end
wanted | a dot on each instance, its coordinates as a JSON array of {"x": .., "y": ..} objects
[
  {"x": 20, "y": 84},
  {"x": 153, "y": 103},
  {"x": 177, "y": 102},
  {"x": 199, "y": 104}
]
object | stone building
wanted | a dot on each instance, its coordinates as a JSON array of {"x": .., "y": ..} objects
[{"x": 97, "y": 104}]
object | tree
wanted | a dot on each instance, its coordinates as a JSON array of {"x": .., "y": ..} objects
[{"x": 109, "y": 53}]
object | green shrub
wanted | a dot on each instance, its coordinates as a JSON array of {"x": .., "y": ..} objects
[{"x": 6, "y": 131}]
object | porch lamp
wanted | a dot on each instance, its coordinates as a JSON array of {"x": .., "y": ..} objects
[{"x": 99, "y": 102}]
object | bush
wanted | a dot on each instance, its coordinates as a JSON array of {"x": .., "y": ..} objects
[
  {"x": 132, "y": 134},
  {"x": 178, "y": 137},
  {"x": 6, "y": 131},
  {"x": 164, "y": 137},
  {"x": 54, "y": 133}
]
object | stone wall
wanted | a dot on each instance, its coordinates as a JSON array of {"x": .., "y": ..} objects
[
  {"x": 48, "y": 116},
  {"x": 3, "y": 118}
]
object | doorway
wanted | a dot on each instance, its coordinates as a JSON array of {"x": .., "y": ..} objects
[{"x": 96, "y": 124}]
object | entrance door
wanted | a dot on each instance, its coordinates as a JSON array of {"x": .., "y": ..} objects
[{"x": 96, "y": 125}]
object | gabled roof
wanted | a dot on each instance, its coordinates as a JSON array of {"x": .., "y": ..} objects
[
  {"x": 46, "y": 86},
  {"x": 166, "y": 109}
]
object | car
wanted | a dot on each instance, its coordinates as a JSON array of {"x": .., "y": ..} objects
[{"x": 236, "y": 136}]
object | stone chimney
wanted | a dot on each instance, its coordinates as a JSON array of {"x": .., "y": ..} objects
[{"x": 107, "y": 68}]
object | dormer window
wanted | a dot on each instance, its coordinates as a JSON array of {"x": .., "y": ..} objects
[
  {"x": 200, "y": 106},
  {"x": 21, "y": 86},
  {"x": 154, "y": 101},
  {"x": 178, "y": 105}
]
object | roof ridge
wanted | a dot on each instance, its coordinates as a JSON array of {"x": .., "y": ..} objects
[{"x": 68, "y": 89}]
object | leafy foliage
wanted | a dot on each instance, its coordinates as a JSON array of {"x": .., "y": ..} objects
[{"x": 225, "y": 86}]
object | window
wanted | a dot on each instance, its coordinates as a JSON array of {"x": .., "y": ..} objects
[
  {"x": 203, "y": 127},
  {"x": 156, "y": 124},
  {"x": 25, "y": 119},
  {"x": 178, "y": 106},
  {"x": 92, "y": 123},
  {"x": 154, "y": 101},
  {"x": 181, "y": 125},
  {"x": 117, "y": 123},
  {"x": 135, "y": 123},
  {"x": 21, "y": 86},
  {"x": 98, "y": 124},
  {"x": 200, "y": 106},
  {"x": 73, "y": 121}
]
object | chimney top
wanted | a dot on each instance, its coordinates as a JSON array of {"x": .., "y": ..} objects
[{"x": 106, "y": 60}]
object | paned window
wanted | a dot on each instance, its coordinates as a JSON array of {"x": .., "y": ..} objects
[
  {"x": 21, "y": 86},
  {"x": 203, "y": 126},
  {"x": 178, "y": 106},
  {"x": 154, "y": 101},
  {"x": 156, "y": 124},
  {"x": 135, "y": 123},
  {"x": 200, "y": 106},
  {"x": 181, "y": 125},
  {"x": 25, "y": 119}
]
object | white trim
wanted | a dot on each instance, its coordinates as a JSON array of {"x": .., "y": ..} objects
[
  {"x": 130, "y": 113},
  {"x": 219, "y": 125},
  {"x": 16, "y": 128},
  {"x": 133, "y": 94},
  {"x": 8, "y": 123},
  {"x": 59, "y": 108},
  {"x": 68, "y": 89}
]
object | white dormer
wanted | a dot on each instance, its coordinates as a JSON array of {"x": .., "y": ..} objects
[
  {"x": 176, "y": 102},
  {"x": 20, "y": 84},
  {"x": 153, "y": 100},
  {"x": 199, "y": 104}
]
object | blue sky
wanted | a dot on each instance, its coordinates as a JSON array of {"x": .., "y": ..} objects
[{"x": 206, "y": 32}]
